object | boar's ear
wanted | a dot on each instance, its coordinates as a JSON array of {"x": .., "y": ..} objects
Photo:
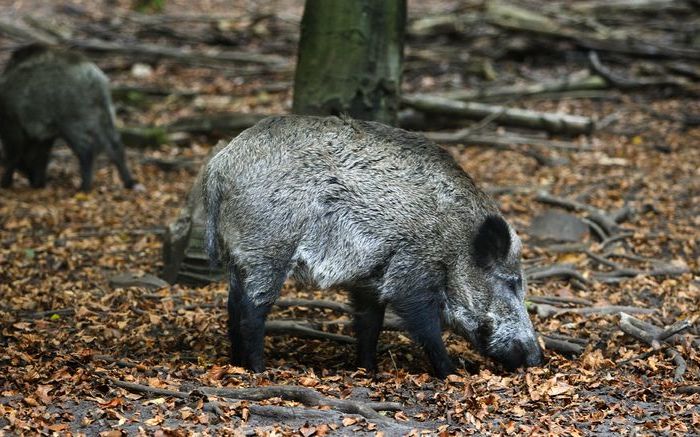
[{"x": 491, "y": 242}]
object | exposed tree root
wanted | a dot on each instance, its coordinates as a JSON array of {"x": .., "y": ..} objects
[
  {"x": 653, "y": 335},
  {"x": 303, "y": 395}
]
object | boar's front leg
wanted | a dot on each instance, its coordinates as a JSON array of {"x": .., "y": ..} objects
[
  {"x": 415, "y": 299},
  {"x": 6, "y": 181},
  {"x": 421, "y": 318},
  {"x": 368, "y": 320}
]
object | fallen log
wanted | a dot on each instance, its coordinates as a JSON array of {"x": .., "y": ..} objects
[
  {"x": 551, "y": 122},
  {"x": 518, "y": 19},
  {"x": 576, "y": 82},
  {"x": 229, "y": 123},
  {"x": 468, "y": 136},
  {"x": 150, "y": 51}
]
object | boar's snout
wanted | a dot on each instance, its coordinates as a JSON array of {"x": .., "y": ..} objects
[{"x": 522, "y": 354}]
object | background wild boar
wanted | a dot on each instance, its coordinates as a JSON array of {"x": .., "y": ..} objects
[
  {"x": 48, "y": 93},
  {"x": 378, "y": 211}
]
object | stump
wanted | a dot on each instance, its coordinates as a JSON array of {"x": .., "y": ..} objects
[{"x": 185, "y": 259}]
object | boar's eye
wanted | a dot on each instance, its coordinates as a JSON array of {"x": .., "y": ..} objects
[{"x": 514, "y": 284}]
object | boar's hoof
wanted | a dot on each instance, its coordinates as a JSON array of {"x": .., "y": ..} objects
[
  {"x": 470, "y": 366},
  {"x": 444, "y": 369}
]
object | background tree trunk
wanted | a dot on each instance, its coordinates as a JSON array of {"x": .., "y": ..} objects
[{"x": 350, "y": 56}]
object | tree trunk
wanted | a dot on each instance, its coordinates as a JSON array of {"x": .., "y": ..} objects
[{"x": 350, "y": 56}]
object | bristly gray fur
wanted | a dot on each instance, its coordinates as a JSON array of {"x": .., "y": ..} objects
[
  {"x": 349, "y": 203},
  {"x": 48, "y": 93}
]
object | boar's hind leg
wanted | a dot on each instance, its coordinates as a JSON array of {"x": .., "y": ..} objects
[
  {"x": 368, "y": 320},
  {"x": 14, "y": 143},
  {"x": 259, "y": 288},
  {"x": 39, "y": 165},
  {"x": 235, "y": 293},
  {"x": 6, "y": 181},
  {"x": 81, "y": 144},
  {"x": 115, "y": 150}
]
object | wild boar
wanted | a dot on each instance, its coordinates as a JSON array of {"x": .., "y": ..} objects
[
  {"x": 378, "y": 211},
  {"x": 48, "y": 93}
]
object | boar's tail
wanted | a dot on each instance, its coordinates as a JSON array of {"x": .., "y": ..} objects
[{"x": 211, "y": 191}]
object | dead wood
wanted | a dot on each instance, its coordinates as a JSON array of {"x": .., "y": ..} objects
[
  {"x": 468, "y": 136},
  {"x": 621, "y": 274},
  {"x": 315, "y": 303},
  {"x": 559, "y": 299},
  {"x": 149, "y": 51},
  {"x": 159, "y": 51},
  {"x": 576, "y": 82},
  {"x": 546, "y": 310},
  {"x": 518, "y": 19},
  {"x": 600, "y": 217},
  {"x": 297, "y": 329},
  {"x": 606, "y": 7},
  {"x": 609, "y": 309},
  {"x": 648, "y": 333},
  {"x": 551, "y": 122},
  {"x": 24, "y": 33},
  {"x": 688, "y": 389},
  {"x": 566, "y": 271},
  {"x": 624, "y": 83},
  {"x": 303, "y": 395},
  {"x": 561, "y": 346},
  {"x": 228, "y": 123}
]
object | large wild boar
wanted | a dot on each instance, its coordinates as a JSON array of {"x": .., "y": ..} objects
[
  {"x": 378, "y": 211},
  {"x": 48, "y": 93}
]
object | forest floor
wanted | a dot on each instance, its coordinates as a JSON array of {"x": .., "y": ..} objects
[{"x": 68, "y": 339}]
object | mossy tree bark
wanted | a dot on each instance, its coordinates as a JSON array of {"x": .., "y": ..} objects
[{"x": 350, "y": 57}]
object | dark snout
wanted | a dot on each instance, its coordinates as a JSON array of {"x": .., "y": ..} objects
[{"x": 521, "y": 354}]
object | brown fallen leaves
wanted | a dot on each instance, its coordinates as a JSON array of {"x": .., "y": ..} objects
[{"x": 61, "y": 324}]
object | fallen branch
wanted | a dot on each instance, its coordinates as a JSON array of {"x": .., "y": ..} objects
[
  {"x": 621, "y": 274},
  {"x": 561, "y": 346},
  {"x": 624, "y": 83},
  {"x": 287, "y": 327},
  {"x": 557, "y": 271},
  {"x": 582, "y": 81},
  {"x": 527, "y": 21},
  {"x": 609, "y": 309},
  {"x": 544, "y": 310},
  {"x": 688, "y": 389},
  {"x": 225, "y": 122},
  {"x": 551, "y": 122},
  {"x": 467, "y": 136},
  {"x": 601, "y": 218},
  {"x": 151, "y": 51},
  {"x": 649, "y": 334},
  {"x": 559, "y": 299},
  {"x": 315, "y": 303}
]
